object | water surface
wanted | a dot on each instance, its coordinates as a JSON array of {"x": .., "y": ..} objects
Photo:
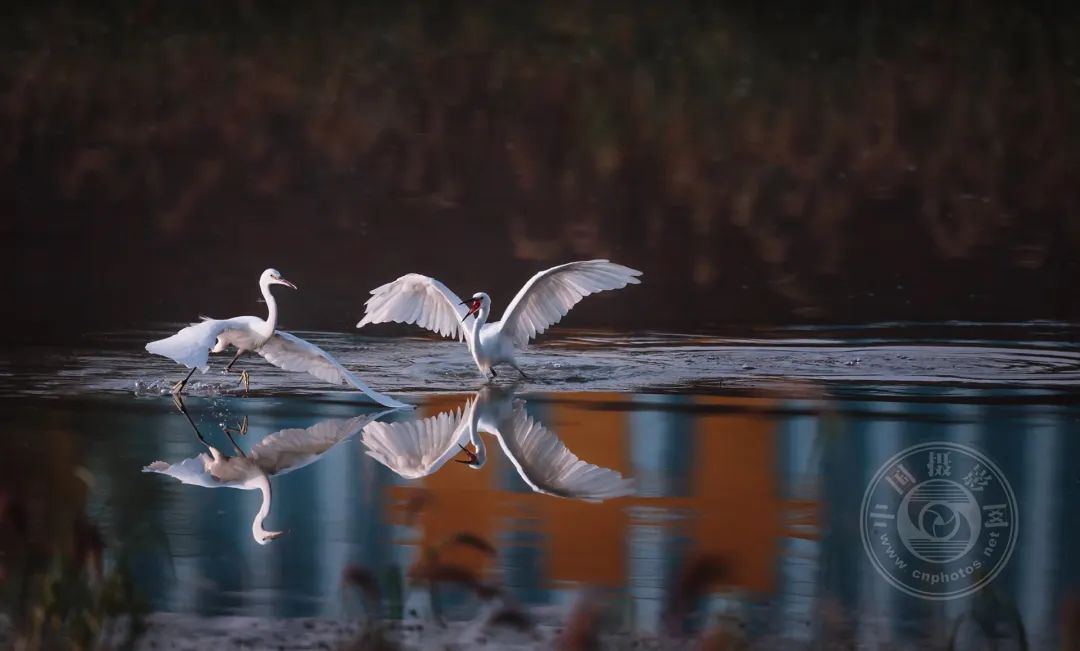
[{"x": 754, "y": 451}]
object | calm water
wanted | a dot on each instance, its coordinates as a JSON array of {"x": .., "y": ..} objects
[{"x": 754, "y": 451}]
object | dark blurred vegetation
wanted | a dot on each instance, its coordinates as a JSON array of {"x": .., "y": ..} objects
[
  {"x": 59, "y": 587},
  {"x": 759, "y": 161}
]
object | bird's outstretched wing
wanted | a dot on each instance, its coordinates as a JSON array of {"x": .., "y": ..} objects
[
  {"x": 292, "y": 353},
  {"x": 417, "y": 448},
  {"x": 419, "y": 299},
  {"x": 548, "y": 466},
  {"x": 289, "y": 449},
  {"x": 550, "y": 294},
  {"x": 191, "y": 346}
]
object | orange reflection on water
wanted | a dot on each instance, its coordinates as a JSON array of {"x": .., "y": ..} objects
[{"x": 732, "y": 508}]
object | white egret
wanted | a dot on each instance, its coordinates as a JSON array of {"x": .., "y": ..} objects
[
  {"x": 277, "y": 454},
  {"x": 193, "y": 345},
  {"x": 541, "y": 303},
  {"x": 417, "y": 448}
]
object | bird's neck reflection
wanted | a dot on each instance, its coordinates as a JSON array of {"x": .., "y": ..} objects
[
  {"x": 248, "y": 475},
  {"x": 261, "y": 535},
  {"x": 482, "y": 402}
]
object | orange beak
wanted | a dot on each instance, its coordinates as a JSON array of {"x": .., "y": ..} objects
[{"x": 474, "y": 307}]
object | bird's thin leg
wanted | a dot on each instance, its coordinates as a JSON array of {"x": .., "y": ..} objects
[
  {"x": 242, "y": 430},
  {"x": 178, "y": 402},
  {"x": 493, "y": 373},
  {"x": 183, "y": 410},
  {"x": 518, "y": 369},
  {"x": 228, "y": 367},
  {"x": 245, "y": 378},
  {"x": 233, "y": 441},
  {"x": 179, "y": 386}
]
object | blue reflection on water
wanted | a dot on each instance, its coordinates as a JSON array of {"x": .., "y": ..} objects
[{"x": 798, "y": 457}]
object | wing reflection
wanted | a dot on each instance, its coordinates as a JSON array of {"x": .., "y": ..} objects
[
  {"x": 276, "y": 454},
  {"x": 417, "y": 448}
]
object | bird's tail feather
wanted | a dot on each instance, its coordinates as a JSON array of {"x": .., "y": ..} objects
[
  {"x": 380, "y": 398},
  {"x": 190, "y": 346}
]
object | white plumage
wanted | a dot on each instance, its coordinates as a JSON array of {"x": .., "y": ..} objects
[
  {"x": 418, "y": 299},
  {"x": 291, "y": 449},
  {"x": 550, "y": 294},
  {"x": 192, "y": 346},
  {"x": 548, "y": 466},
  {"x": 418, "y": 448},
  {"x": 277, "y": 454},
  {"x": 541, "y": 303},
  {"x": 292, "y": 353}
]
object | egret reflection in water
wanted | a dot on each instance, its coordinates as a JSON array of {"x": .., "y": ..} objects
[
  {"x": 277, "y": 454},
  {"x": 417, "y": 448}
]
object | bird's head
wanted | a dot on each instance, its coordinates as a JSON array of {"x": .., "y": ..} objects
[
  {"x": 263, "y": 536},
  {"x": 474, "y": 460},
  {"x": 475, "y": 303},
  {"x": 273, "y": 277}
]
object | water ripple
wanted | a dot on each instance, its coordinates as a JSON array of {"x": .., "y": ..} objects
[{"x": 590, "y": 361}]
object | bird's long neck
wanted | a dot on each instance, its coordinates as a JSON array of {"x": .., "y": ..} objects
[
  {"x": 475, "y": 438},
  {"x": 481, "y": 318},
  {"x": 271, "y": 307},
  {"x": 261, "y": 535}
]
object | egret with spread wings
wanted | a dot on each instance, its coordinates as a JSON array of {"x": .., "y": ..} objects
[
  {"x": 277, "y": 454},
  {"x": 193, "y": 345},
  {"x": 540, "y": 304},
  {"x": 418, "y": 448}
]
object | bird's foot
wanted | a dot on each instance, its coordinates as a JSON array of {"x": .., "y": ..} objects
[
  {"x": 179, "y": 386},
  {"x": 242, "y": 429},
  {"x": 245, "y": 381}
]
